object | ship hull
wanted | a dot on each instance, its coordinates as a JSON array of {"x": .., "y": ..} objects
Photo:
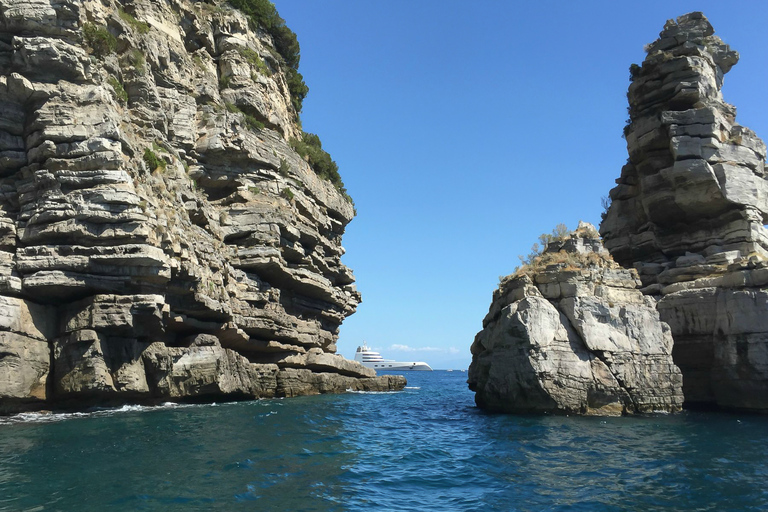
[
  {"x": 373, "y": 360},
  {"x": 399, "y": 367}
]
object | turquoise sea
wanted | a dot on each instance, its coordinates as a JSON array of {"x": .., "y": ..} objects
[{"x": 425, "y": 448}]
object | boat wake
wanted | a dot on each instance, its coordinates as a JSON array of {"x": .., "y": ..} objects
[{"x": 350, "y": 390}]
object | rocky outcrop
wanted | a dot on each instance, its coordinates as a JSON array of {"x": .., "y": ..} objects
[
  {"x": 572, "y": 333},
  {"x": 25, "y": 365},
  {"x": 688, "y": 212},
  {"x": 159, "y": 236}
]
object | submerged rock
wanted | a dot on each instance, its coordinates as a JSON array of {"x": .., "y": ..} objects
[
  {"x": 159, "y": 236},
  {"x": 688, "y": 212},
  {"x": 572, "y": 333}
]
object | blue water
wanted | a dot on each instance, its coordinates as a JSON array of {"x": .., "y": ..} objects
[{"x": 426, "y": 448}]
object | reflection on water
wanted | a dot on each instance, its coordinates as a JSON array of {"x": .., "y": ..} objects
[{"x": 426, "y": 448}]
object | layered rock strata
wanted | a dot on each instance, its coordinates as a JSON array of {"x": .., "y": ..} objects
[
  {"x": 688, "y": 212},
  {"x": 572, "y": 333},
  {"x": 159, "y": 237}
]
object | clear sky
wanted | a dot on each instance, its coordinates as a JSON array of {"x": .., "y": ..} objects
[{"x": 465, "y": 129}]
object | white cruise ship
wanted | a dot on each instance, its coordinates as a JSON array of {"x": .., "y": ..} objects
[{"x": 371, "y": 359}]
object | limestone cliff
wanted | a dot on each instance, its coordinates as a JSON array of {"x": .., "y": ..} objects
[
  {"x": 688, "y": 212},
  {"x": 159, "y": 235},
  {"x": 572, "y": 333}
]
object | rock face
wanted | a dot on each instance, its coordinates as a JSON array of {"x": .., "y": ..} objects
[
  {"x": 688, "y": 212},
  {"x": 572, "y": 333},
  {"x": 159, "y": 237}
]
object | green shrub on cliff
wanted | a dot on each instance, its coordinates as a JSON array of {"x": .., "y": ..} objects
[
  {"x": 250, "y": 121},
  {"x": 102, "y": 43},
  {"x": 255, "y": 60},
  {"x": 284, "y": 167},
  {"x": 262, "y": 13},
  {"x": 297, "y": 87},
  {"x": 253, "y": 123},
  {"x": 136, "y": 59},
  {"x": 287, "y": 194},
  {"x": 153, "y": 161},
  {"x": 542, "y": 255},
  {"x": 119, "y": 94},
  {"x": 559, "y": 233},
  {"x": 140, "y": 26},
  {"x": 311, "y": 149}
]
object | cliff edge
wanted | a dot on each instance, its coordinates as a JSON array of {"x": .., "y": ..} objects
[{"x": 164, "y": 230}]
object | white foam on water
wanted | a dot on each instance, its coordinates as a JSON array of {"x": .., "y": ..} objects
[
  {"x": 40, "y": 417},
  {"x": 52, "y": 417}
]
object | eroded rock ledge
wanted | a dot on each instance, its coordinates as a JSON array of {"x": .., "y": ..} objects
[
  {"x": 688, "y": 212},
  {"x": 159, "y": 237},
  {"x": 572, "y": 333}
]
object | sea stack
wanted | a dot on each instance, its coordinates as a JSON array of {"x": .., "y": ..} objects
[
  {"x": 166, "y": 228},
  {"x": 571, "y": 333},
  {"x": 688, "y": 212}
]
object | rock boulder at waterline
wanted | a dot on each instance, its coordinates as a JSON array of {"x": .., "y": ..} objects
[{"x": 572, "y": 333}]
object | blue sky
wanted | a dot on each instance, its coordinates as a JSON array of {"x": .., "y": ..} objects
[{"x": 464, "y": 130}]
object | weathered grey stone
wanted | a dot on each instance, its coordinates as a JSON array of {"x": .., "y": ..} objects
[
  {"x": 24, "y": 368},
  {"x": 59, "y": 17},
  {"x": 26, "y": 318},
  {"x": 592, "y": 346},
  {"x": 211, "y": 371},
  {"x": 689, "y": 211},
  {"x": 698, "y": 168},
  {"x": 24, "y": 352},
  {"x": 158, "y": 229},
  {"x": 295, "y": 382},
  {"x": 317, "y": 360},
  {"x": 96, "y": 366},
  {"x": 44, "y": 58}
]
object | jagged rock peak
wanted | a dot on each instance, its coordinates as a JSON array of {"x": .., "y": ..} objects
[
  {"x": 683, "y": 69},
  {"x": 161, "y": 237},
  {"x": 695, "y": 180},
  {"x": 688, "y": 212},
  {"x": 691, "y": 34},
  {"x": 571, "y": 333}
]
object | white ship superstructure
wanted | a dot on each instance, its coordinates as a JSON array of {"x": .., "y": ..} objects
[{"x": 371, "y": 359}]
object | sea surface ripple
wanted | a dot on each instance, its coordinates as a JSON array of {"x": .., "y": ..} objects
[{"x": 425, "y": 448}]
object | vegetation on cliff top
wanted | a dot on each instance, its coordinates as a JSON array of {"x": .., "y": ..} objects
[
  {"x": 540, "y": 258},
  {"x": 262, "y": 13},
  {"x": 537, "y": 249}
]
